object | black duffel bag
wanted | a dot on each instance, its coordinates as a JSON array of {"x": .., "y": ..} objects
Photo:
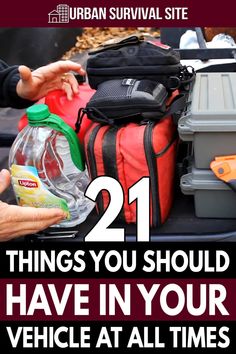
[{"x": 137, "y": 58}]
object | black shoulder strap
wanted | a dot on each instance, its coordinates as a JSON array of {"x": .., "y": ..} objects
[
  {"x": 177, "y": 105},
  {"x": 175, "y": 109},
  {"x": 109, "y": 156}
]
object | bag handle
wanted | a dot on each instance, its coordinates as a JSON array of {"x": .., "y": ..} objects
[
  {"x": 185, "y": 77},
  {"x": 97, "y": 115},
  {"x": 116, "y": 43}
]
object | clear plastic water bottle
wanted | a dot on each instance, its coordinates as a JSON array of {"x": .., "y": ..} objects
[{"x": 47, "y": 166}]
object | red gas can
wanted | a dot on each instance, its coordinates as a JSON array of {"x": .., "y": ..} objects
[{"x": 67, "y": 110}]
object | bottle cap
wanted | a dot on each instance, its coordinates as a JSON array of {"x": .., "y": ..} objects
[{"x": 37, "y": 112}]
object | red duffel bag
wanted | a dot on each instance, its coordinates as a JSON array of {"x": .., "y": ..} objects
[{"x": 128, "y": 153}]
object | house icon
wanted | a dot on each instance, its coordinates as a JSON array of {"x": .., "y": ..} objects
[
  {"x": 54, "y": 17},
  {"x": 60, "y": 15}
]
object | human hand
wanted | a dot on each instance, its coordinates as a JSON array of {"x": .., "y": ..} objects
[
  {"x": 18, "y": 221},
  {"x": 34, "y": 85}
]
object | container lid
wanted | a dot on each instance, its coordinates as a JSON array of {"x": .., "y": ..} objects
[
  {"x": 199, "y": 179},
  {"x": 213, "y": 104},
  {"x": 37, "y": 112}
]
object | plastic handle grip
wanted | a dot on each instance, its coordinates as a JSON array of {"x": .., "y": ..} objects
[{"x": 56, "y": 123}]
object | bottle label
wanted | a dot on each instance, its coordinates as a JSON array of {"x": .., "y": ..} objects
[{"x": 30, "y": 191}]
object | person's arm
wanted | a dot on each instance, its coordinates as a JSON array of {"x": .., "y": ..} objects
[
  {"x": 20, "y": 87},
  {"x": 9, "y": 78},
  {"x": 35, "y": 84}
]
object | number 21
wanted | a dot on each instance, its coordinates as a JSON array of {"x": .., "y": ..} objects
[{"x": 139, "y": 192}]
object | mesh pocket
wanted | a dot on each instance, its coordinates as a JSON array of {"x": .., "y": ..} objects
[{"x": 110, "y": 89}]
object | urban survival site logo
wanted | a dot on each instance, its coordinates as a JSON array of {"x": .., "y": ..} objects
[
  {"x": 60, "y": 15},
  {"x": 64, "y": 13}
]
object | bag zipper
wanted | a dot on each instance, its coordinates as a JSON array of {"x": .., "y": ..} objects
[{"x": 152, "y": 166}]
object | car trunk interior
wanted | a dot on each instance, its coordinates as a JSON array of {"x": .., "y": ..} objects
[{"x": 182, "y": 220}]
